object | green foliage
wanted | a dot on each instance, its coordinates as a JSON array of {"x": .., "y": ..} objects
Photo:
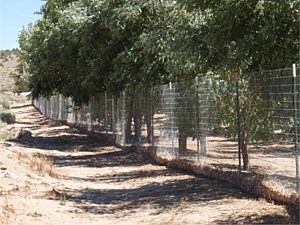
[
  {"x": 245, "y": 36},
  {"x": 80, "y": 48},
  {"x": 5, "y": 136},
  {"x": 254, "y": 108},
  {"x": 250, "y": 35},
  {"x": 83, "y": 48}
]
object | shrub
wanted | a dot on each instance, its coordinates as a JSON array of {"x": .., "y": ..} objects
[
  {"x": 4, "y": 104},
  {"x": 8, "y": 117}
]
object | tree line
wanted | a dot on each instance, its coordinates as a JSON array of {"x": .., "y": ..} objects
[
  {"x": 81, "y": 47},
  {"x": 6, "y": 54}
]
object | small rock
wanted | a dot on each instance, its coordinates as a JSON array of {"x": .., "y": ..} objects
[
  {"x": 10, "y": 175},
  {"x": 3, "y": 167}
]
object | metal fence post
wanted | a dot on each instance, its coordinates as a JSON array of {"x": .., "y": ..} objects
[
  {"x": 296, "y": 125},
  {"x": 171, "y": 117},
  {"x": 89, "y": 118},
  {"x": 151, "y": 96},
  {"x": 106, "y": 112},
  {"x": 113, "y": 117},
  {"x": 60, "y": 107},
  {"x": 238, "y": 123},
  {"x": 198, "y": 119}
]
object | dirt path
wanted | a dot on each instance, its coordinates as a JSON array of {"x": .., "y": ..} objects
[{"x": 100, "y": 184}]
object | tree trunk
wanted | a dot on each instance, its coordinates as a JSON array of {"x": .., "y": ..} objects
[
  {"x": 149, "y": 126},
  {"x": 137, "y": 119},
  {"x": 148, "y": 118},
  {"x": 182, "y": 141},
  {"x": 244, "y": 148},
  {"x": 137, "y": 129},
  {"x": 129, "y": 120}
]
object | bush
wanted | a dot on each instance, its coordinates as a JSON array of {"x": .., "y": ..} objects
[
  {"x": 4, "y": 104},
  {"x": 8, "y": 117},
  {"x": 5, "y": 136}
]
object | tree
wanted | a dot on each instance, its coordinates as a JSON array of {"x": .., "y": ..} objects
[
  {"x": 51, "y": 50},
  {"x": 242, "y": 37},
  {"x": 80, "y": 48}
]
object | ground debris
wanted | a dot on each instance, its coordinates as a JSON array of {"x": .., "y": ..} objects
[
  {"x": 5, "y": 144},
  {"x": 3, "y": 167},
  {"x": 54, "y": 194},
  {"x": 24, "y": 134}
]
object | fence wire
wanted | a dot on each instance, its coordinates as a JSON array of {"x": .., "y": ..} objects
[
  {"x": 273, "y": 152},
  {"x": 207, "y": 120}
]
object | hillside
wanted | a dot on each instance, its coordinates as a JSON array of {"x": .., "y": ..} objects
[{"x": 7, "y": 66}]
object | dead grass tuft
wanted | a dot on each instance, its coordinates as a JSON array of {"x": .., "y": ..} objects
[
  {"x": 39, "y": 163},
  {"x": 56, "y": 195},
  {"x": 175, "y": 211},
  {"x": 42, "y": 164},
  {"x": 7, "y": 210}
]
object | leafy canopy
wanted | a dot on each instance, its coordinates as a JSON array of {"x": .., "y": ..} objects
[{"x": 82, "y": 47}]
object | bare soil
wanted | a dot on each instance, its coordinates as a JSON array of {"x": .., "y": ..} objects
[{"x": 94, "y": 182}]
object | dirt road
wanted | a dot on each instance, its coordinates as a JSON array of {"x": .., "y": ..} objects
[{"x": 93, "y": 182}]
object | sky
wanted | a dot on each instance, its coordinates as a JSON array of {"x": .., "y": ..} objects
[{"x": 14, "y": 15}]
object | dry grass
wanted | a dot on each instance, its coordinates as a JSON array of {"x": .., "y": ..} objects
[
  {"x": 250, "y": 182},
  {"x": 7, "y": 98},
  {"x": 39, "y": 163},
  {"x": 42, "y": 164},
  {"x": 7, "y": 210},
  {"x": 176, "y": 211},
  {"x": 56, "y": 195}
]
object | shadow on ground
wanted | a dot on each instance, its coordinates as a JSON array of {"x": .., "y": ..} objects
[
  {"x": 175, "y": 192},
  {"x": 116, "y": 157},
  {"x": 162, "y": 196},
  {"x": 166, "y": 196}
]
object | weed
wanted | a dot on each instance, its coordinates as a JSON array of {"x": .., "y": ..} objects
[
  {"x": 56, "y": 195},
  {"x": 5, "y": 136},
  {"x": 62, "y": 199},
  {"x": 42, "y": 164},
  {"x": 38, "y": 162}
]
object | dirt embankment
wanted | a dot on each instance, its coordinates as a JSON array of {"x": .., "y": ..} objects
[{"x": 54, "y": 174}]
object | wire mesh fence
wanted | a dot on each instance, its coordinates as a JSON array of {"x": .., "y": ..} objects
[
  {"x": 252, "y": 122},
  {"x": 274, "y": 150}
]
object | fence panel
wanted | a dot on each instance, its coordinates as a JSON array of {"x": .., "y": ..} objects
[
  {"x": 275, "y": 117},
  {"x": 206, "y": 120}
]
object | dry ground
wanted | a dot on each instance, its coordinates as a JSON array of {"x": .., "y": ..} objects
[{"x": 93, "y": 182}]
